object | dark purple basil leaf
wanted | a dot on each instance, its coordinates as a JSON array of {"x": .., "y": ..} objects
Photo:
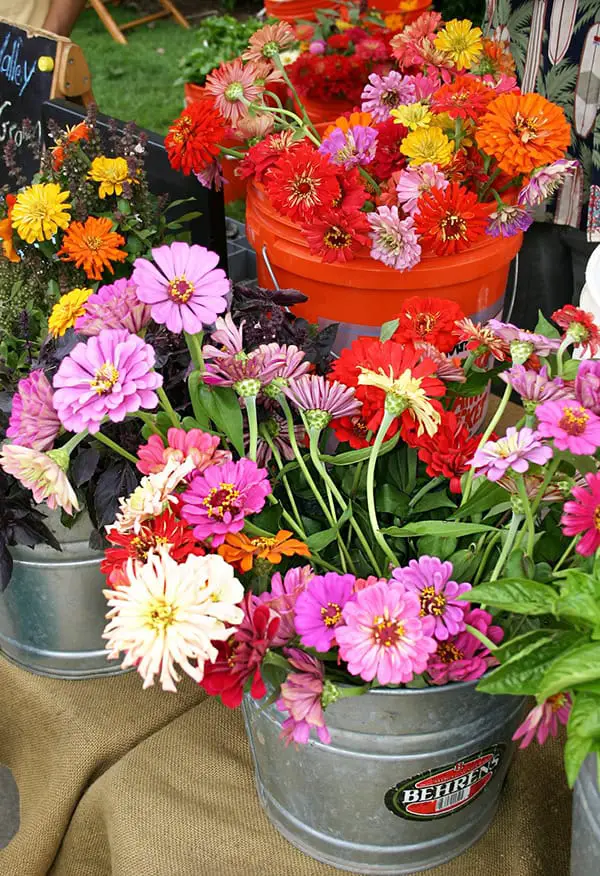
[
  {"x": 84, "y": 465},
  {"x": 119, "y": 480}
]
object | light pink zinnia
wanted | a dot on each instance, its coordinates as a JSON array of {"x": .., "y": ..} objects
[
  {"x": 442, "y": 615},
  {"x": 543, "y": 720},
  {"x": 464, "y": 657},
  {"x": 382, "y": 636},
  {"x": 516, "y": 450},
  {"x": 385, "y": 93},
  {"x": 572, "y": 426},
  {"x": 546, "y": 181},
  {"x": 234, "y": 86},
  {"x": 114, "y": 307},
  {"x": 322, "y": 400},
  {"x": 108, "y": 376},
  {"x": 416, "y": 180},
  {"x": 535, "y": 387},
  {"x": 200, "y": 446},
  {"x": 185, "y": 289},
  {"x": 301, "y": 694},
  {"x": 33, "y": 420},
  {"x": 42, "y": 473},
  {"x": 523, "y": 342},
  {"x": 582, "y": 516},
  {"x": 395, "y": 241}
]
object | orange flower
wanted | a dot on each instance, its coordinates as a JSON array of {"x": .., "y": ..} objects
[
  {"x": 496, "y": 59},
  {"x": 240, "y": 551},
  {"x": 522, "y": 132},
  {"x": 72, "y": 135},
  {"x": 345, "y": 123},
  {"x": 92, "y": 245},
  {"x": 6, "y": 232}
]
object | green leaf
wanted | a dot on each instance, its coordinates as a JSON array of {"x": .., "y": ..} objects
[
  {"x": 353, "y": 456},
  {"x": 524, "y": 644},
  {"x": 320, "y": 540},
  {"x": 520, "y": 595},
  {"x": 487, "y": 495},
  {"x": 577, "y": 749},
  {"x": 223, "y": 407},
  {"x": 579, "y": 598},
  {"x": 391, "y": 500},
  {"x": 544, "y": 327},
  {"x": 577, "y": 666},
  {"x": 436, "y": 546},
  {"x": 388, "y": 329},
  {"x": 584, "y": 719},
  {"x": 570, "y": 369},
  {"x": 436, "y": 527},
  {"x": 464, "y": 564},
  {"x": 476, "y": 383},
  {"x": 432, "y": 501},
  {"x": 523, "y": 674}
]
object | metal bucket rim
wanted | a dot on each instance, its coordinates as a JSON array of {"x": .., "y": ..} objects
[{"x": 430, "y": 689}]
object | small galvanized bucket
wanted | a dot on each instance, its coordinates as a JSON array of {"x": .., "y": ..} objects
[
  {"x": 52, "y": 612},
  {"x": 585, "y": 849},
  {"x": 410, "y": 780}
]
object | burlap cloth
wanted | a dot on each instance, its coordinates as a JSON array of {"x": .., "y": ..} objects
[{"x": 116, "y": 781}]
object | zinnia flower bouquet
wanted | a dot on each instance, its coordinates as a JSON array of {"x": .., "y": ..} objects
[
  {"x": 323, "y": 530},
  {"x": 441, "y": 153}
]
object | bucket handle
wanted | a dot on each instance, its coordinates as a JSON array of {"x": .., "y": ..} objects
[
  {"x": 513, "y": 294},
  {"x": 267, "y": 262}
]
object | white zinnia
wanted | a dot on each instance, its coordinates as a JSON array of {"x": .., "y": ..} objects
[
  {"x": 153, "y": 495},
  {"x": 172, "y": 613}
]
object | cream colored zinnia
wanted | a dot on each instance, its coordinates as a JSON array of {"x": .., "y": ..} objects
[
  {"x": 154, "y": 494},
  {"x": 404, "y": 393}
]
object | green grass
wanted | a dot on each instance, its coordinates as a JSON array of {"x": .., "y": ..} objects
[{"x": 135, "y": 82}]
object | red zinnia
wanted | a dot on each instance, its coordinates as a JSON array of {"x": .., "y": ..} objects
[
  {"x": 388, "y": 157},
  {"x": 449, "y": 220},
  {"x": 429, "y": 320},
  {"x": 353, "y": 193},
  {"x": 352, "y": 430},
  {"x": 337, "y": 235},
  {"x": 447, "y": 454},
  {"x": 465, "y": 97},
  {"x": 166, "y": 529},
  {"x": 302, "y": 183},
  {"x": 241, "y": 657},
  {"x": 194, "y": 138},
  {"x": 580, "y": 326},
  {"x": 261, "y": 157}
]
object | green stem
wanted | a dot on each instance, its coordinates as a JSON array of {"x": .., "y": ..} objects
[
  {"x": 297, "y": 528},
  {"x": 306, "y": 118},
  {"x": 104, "y": 439},
  {"x": 566, "y": 554},
  {"x": 168, "y": 407},
  {"x": 194, "y": 343},
  {"x": 430, "y": 485},
  {"x": 566, "y": 342},
  {"x": 513, "y": 528},
  {"x": 482, "y": 637},
  {"x": 72, "y": 443},
  {"x": 341, "y": 546},
  {"x": 486, "y": 555},
  {"x": 529, "y": 520},
  {"x": 277, "y": 457},
  {"x": 547, "y": 478},
  {"x": 148, "y": 419},
  {"x": 483, "y": 192},
  {"x": 234, "y": 153},
  {"x": 378, "y": 535},
  {"x": 490, "y": 428},
  {"x": 252, "y": 426}
]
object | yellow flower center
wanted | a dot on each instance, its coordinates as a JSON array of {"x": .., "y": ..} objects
[
  {"x": 526, "y": 128},
  {"x": 386, "y": 631},
  {"x": 336, "y": 238},
  {"x": 93, "y": 243},
  {"x": 453, "y": 227},
  {"x": 574, "y": 420},
  {"x": 432, "y": 602},
  {"x": 447, "y": 652},
  {"x": 265, "y": 543},
  {"x": 105, "y": 378},
  {"x": 160, "y": 615},
  {"x": 331, "y": 614},
  {"x": 180, "y": 289},
  {"x": 557, "y": 701},
  {"x": 221, "y": 499}
]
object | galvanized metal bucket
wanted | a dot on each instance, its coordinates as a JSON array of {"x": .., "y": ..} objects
[
  {"x": 410, "y": 780},
  {"x": 52, "y": 612},
  {"x": 585, "y": 848}
]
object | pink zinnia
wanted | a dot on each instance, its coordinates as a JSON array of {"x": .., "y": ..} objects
[
  {"x": 543, "y": 720},
  {"x": 395, "y": 241},
  {"x": 319, "y": 609},
  {"x": 218, "y": 501},
  {"x": 282, "y": 600},
  {"x": 352, "y": 148},
  {"x": 228, "y": 336},
  {"x": 301, "y": 694},
  {"x": 322, "y": 400},
  {"x": 234, "y": 86},
  {"x": 523, "y": 342},
  {"x": 416, "y": 180},
  {"x": 535, "y": 387},
  {"x": 385, "y": 93},
  {"x": 200, "y": 446},
  {"x": 464, "y": 657},
  {"x": 33, "y": 420},
  {"x": 185, "y": 289},
  {"x": 114, "y": 307},
  {"x": 546, "y": 181},
  {"x": 42, "y": 473},
  {"x": 572, "y": 426},
  {"x": 582, "y": 516},
  {"x": 516, "y": 450},
  {"x": 442, "y": 615},
  {"x": 382, "y": 636},
  {"x": 587, "y": 385},
  {"x": 108, "y": 376}
]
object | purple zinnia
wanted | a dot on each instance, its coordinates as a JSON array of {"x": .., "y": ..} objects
[
  {"x": 516, "y": 450},
  {"x": 322, "y": 400},
  {"x": 247, "y": 373},
  {"x": 276, "y": 428},
  {"x": 108, "y": 376},
  {"x": 385, "y": 93},
  {"x": 301, "y": 695},
  {"x": 442, "y": 614},
  {"x": 546, "y": 181},
  {"x": 507, "y": 221},
  {"x": 523, "y": 343},
  {"x": 464, "y": 657},
  {"x": 116, "y": 306},
  {"x": 382, "y": 636},
  {"x": 228, "y": 336},
  {"x": 218, "y": 501},
  {"x": 33, "y": 421},
  {"x": 185, "y": 289},
  {"x": 572, "y": 426},
  {"x": 352, "y": 148},
  {"x": 413, "y": 181},
  {"x": 544, "y": 720},
  {"x": 212, "y": 176},
  {"x": 318, "y": 610},
  {"x": 291, "y": 362},
  {"x": 535, "y": 387},
  {"x": 282, "y": 600},
  {"x": 587, "y": 385},
  {"x": 395, "y": 241}
]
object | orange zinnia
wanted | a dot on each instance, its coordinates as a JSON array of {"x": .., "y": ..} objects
[
  {"x": 347, "y": 122},
  {"x": 6, "y": 232},
  {"x": 240, "y": 551},
  {"x": 523, "y": 131},
  {"x": 72, "y": 135},
  {"x": 93, "y": 246}
]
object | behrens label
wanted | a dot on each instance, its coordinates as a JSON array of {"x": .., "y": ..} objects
[{"x": 444, "y": 790}]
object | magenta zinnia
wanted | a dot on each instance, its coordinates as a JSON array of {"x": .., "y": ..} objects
[
  {"x": 582, "y": 516},
  {"x": 572, "y": 426},
  {"x": 319, "y": 609},
  {"x": 113, "y": 307},
  {"x": 464, "y": 657},
  {"x": 544, "y": 719},
  {"x": 382, "y": 636},
  {"x": 33, "y": 420},
  {"x": 442, "y": 615},
  {"x": 184, "y": 288},
  {"x": 109, "y": 376}
]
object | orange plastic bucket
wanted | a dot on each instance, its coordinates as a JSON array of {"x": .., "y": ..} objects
[
  {"x": 235, "y": 188},
  {"x": 325, "y": 112},
  {"x": 294, "y": 10}
]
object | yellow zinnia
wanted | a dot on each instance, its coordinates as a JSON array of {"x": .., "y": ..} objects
[
  {"x": 427, "y": 144},
  {"x": 39, "y": 212},
  {"x": 111, "y": 173},
  {"x": 461, "y": 42},
  {"x": 67, "y": 311},
  {"x": 412, "y": 115}
]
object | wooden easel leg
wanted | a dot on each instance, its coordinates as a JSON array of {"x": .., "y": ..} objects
[
  {"x": 174, "y": 11},
  {"x": 108, "y": 21}
]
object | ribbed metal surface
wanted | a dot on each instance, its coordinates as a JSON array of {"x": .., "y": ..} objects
[
  {"x": 330, "y": 800},
  {"x": 585, "y": 849}
]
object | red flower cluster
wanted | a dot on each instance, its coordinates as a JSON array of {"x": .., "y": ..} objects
[
  {"x": 302, "y": 183},
  {"x": 448, "y": 453},
  {"x": 580, "y": 324},
  {"x": 429, "y": 321},
  {"x": 450, "y": 220},
  {"x": 194, "y": 138},
  {"x": 464, "y": 98}
]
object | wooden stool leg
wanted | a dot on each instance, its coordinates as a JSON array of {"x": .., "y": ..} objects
[
  {"x": 108, "y": 21},
  {"x": 175, "y": 13}
]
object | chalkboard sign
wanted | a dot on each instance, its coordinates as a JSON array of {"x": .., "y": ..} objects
[{"x": 34, "y": 66}]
